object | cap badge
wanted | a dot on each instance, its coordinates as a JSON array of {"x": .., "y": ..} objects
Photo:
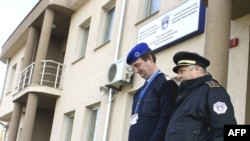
[
  {"x": 137, "y": 54},
  {"x": 220, "y": 107}
]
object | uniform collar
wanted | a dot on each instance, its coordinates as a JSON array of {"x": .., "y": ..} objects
[{"x": 153, "y": 75}]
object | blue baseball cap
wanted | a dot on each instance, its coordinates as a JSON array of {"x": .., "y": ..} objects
[{"x": 136, "y": 52}]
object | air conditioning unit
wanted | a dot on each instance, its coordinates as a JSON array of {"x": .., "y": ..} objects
[{"x": 119, "y": 73}]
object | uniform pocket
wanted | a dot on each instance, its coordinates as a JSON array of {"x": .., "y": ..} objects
[
  {"x": 182, "y": 133},
  {"x": 150, "y": 106}
]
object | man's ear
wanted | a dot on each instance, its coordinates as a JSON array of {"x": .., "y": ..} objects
[
  {"x": 150, "y": 57},
  {"x": 198, "y": 68}
]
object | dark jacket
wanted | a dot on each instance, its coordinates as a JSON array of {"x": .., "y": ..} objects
[
  {"x": 154, "y": 111},
  {"x": 203, "y": 108}
]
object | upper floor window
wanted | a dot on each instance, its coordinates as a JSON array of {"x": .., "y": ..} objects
[
  {"x": 152, "y": 6},
  {"x": 83, "y": 45},
  {"x": 83, "y": 38},
  {"x": 12, "y": 77},
  {"x": 109, "y": 24}
]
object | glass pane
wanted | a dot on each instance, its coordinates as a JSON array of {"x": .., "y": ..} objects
[
  {"x": 69, "y": 127},
  {"x": 155, "y": 4},
  {"x": 83, "y": 45},
  {"x": 151, "y": 7},
  {"x": 109, "y": 24},
  {"x": 93, "y": 125}
]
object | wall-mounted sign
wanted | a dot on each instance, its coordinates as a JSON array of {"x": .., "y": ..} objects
[{"x": 181, "y": 23}]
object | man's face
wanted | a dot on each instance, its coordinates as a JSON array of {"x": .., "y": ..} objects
[
  {"x": 188, "y": 72},
  {"x": 142, "y": 67}
]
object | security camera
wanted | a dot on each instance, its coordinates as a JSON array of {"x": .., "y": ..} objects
[{"x": 103, "y": 90}]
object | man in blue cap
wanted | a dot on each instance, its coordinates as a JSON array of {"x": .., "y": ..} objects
[
  {"x": 154, "y": 101},
  {"x": 203, "y": 106}
]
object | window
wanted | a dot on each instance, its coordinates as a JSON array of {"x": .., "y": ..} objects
[
  {"x": 69, "y": 126},
  {"x": 152, "y": 6},
  {"x": 109, "y": 24},
  {"x": 82, "y": 40},
  {"x": 93, "y": 126},
  {"x": 83, "y": 45},
  {"x": 12, "y": 77}
]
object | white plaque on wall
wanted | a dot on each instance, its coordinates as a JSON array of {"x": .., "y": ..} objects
[{"x": 178, "y": 24}]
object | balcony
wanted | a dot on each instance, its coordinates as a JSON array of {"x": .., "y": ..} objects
[{"x": 51, "y": 73}]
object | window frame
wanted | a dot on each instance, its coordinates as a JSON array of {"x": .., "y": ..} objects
[
  {"x": 93, "y": 124},
  {"x": 109, "y": 24},
  {"x": 151, "y": 7},
  {"x": 69, "y": 126},
  {"x": 11, "y": 83},
  {"x": 84, "y": 40}
]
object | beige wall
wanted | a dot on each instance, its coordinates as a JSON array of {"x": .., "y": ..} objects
[
  {"x": 8, "y": 91},
  {"x": 238, "y": 67},
  {"x": 92, "y": 70}
]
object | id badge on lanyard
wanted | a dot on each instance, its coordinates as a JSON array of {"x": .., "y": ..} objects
[{"x": 134, "y": 118}]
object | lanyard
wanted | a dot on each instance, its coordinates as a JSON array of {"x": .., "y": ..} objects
[{"x": 143, "y": 91}]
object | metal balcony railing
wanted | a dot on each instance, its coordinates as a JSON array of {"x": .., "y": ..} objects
[
  {"x": 26, "y": 76},
  {"x": 51, "y": 72}
]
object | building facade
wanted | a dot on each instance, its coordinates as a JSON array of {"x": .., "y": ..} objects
[{"x": 66, "y": 79}]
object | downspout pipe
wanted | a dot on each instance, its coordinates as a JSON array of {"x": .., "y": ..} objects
[
  {"x": 107, "y": 115},
  {"x": 117, "y": 47},
  {"x": 117, "y": 50}
]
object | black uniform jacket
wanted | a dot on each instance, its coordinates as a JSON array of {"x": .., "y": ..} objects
[
  {"x": 154, "y": 111},
  {"x": 203, "y": 108}
]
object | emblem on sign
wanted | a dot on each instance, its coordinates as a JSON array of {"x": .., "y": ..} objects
[{"x": 165, "y": 22}]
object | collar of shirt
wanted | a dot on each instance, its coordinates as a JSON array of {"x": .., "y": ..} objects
[{"x": 150, "y": 79}]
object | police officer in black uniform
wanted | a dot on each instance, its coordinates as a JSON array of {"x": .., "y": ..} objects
[
  {"x": 203, "y": 106},
  {"x": 153, "y": 103}
]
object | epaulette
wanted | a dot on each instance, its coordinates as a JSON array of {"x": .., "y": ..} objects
[
  {"x": 212, "y": 84},
  {"x": 168, "y": 77}
]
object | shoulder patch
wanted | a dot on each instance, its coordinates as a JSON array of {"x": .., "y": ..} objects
[
  {"x": 220, "y": 107},
  {"x": 212, "y": 84},
  {"x": 168, "y": 77}
]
